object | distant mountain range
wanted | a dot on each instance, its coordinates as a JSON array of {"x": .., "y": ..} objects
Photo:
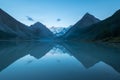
[
  {"x": 88, "y": 28},
  {"x": 59, "y": 31}
]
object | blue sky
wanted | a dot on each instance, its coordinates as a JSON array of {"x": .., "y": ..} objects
[{"x": 48, "y": 12}]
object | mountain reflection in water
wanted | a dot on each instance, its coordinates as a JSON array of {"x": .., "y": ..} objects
[{"x": 59, "y": 61}]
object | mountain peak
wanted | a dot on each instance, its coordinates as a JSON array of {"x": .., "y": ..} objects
[
  {"x": 88, "y": 16},
  {"x": 38, "y": 24},
  {"x": 87, "y": 20},
  {"x": 41, "y": 30}
]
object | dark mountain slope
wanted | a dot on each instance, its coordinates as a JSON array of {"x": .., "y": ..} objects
[
  {"x": 9, "y": 25},
  {"x": 86, "y": 21},
  {"x": 41, "y": 31},
  {"x": 106, "y": 30}
]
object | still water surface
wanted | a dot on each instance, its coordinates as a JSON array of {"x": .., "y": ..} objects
[{"x": 59, "y": 61}]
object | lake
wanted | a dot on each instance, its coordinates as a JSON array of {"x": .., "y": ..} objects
[{"x": 38, "y": 60}]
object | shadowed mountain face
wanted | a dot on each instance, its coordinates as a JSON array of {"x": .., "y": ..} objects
[
  {"x": 41, "y": 31},
  {"x": 9, "y": 25},
  {"x": 12, "y": 51},
  {"x": 106, "y": 30},
  {"x": 6, "y": 35},
  {"x": 85, "y": 22},
  {"x": 13, "y": 29}
]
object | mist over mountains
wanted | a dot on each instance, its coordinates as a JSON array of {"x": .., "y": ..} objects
[{"x": 88, "y": 28}]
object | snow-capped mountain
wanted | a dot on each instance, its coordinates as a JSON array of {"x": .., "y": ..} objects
[{"x": 59, "y": 31}]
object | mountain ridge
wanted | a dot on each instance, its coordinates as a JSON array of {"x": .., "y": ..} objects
[
  {"x": 85, "y": 21},
  {"x": 15, "y": 30},
  {"x": 105, "y": 30},
  {"x": 41, "y": 31}
]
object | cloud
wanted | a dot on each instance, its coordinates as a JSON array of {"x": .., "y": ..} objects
[
  {"x": 29, "y": 18},
  {"x": 58, "y": 20}
]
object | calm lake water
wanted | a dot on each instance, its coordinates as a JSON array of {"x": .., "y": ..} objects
[{"x": 59, "y": 61}]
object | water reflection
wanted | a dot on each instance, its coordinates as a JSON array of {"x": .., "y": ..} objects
[
  {"x": 58, "y": 61},
  {"x": 12, "y": 51},
  {"x": 89, "y": 54}
]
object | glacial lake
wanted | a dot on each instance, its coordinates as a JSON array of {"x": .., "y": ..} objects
[{"x": 59, "y": 61}]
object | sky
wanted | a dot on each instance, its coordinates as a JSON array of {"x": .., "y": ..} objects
[{"x": 58, "y": 13}]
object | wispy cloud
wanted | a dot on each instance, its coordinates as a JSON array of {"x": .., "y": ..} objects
[
  {"x": 58, "y": 20},
  {"x": 29, "y": 18}
]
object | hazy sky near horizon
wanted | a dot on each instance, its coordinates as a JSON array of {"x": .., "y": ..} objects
[{"x": 58, "y": 13}]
